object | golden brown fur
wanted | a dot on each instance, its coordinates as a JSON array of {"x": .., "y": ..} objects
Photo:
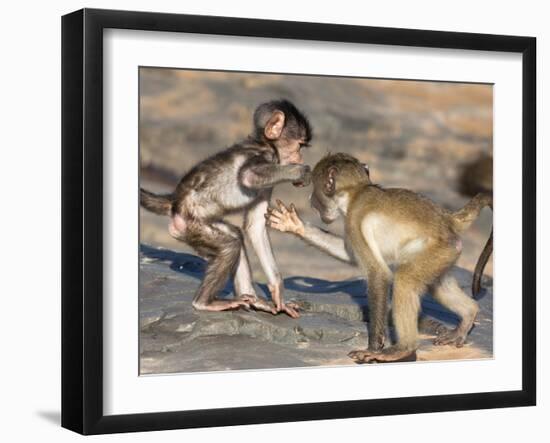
[
  {"x": 399, "y": 235},
  {"x": 395, "y": 235}
]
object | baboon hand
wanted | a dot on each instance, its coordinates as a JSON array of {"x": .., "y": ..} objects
[
  {"x": 305, "y": 176},
  {"x": 261, "y": 304},
  {"x": 290, "y": 309},
  {"x": 284, "y": 219}
]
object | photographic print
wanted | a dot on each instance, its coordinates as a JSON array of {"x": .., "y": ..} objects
[
  {"x": 296, "y": 220},
  {"x": 246, "y": 226}
]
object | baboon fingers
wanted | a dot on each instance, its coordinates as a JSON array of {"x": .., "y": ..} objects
[
  {"x": 263, "y": 305},
  {"x": 290, "y": 311},
  {"x": 275, "y": 216},
  {"x": 282, "y": 206},
  {"x": 275, "y": 225},
  {"x": 293, "y": 305}
]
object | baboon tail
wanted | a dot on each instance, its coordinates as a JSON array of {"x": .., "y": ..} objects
[
  {"x": 462, "y": 220},
  {"x": 159, "y": 204},
  {"x": 480, "y": 266}
]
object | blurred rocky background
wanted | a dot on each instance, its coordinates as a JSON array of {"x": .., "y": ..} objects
[{"x": 431, "y": 137}]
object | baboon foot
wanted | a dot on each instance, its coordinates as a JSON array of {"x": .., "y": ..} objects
[
  {"x": 388, "y": 355},
  {"x": 447, "y": 336},
  {"x": 222, "y": 305}
]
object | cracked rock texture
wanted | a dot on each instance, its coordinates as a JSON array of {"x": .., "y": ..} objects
[{"x": 174, "y": 337}]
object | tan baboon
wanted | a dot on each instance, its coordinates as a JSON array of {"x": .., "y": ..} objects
[{"x": 393, "y": 235}]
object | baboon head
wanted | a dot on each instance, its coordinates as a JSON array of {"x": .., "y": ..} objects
[
  {"x": 280, "y": 124},
  {"x": 334, "y": 173}
]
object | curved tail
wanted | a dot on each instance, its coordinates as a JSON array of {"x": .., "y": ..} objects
[
  {"x": 462, "y": 220},
  {"x": 159, "y": 204},
  {"x": 480, "y": 266}
]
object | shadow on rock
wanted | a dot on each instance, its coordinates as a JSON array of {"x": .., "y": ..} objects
[
  {"x": 182, "y": 262},
  {"x": 194, "y": 266},
  {"x": 174, "y": 337}
]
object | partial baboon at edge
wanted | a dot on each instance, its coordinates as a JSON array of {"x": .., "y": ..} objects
[
  {"x": 239, "y": 178},
  {"x": 477, "y": 176},
  {"x": 393, "y": 235}
]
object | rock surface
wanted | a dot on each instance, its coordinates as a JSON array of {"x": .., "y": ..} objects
[{"x": 174, "y": 337}]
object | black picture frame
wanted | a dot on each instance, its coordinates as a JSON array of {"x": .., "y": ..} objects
[{"x": 82, "y": 220}]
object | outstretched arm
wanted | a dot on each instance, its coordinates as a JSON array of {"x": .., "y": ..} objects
[
  {"x": 258, "y": 174},
  {"x": 287, "y": 220}
]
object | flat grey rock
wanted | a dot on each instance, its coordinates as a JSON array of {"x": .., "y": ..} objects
[{"x": 174, "y": 337}]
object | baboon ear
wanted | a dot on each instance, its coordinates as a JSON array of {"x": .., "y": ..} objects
[
  {"x": 330, "y": 184},
  {"x": 274, "y": 126},
  {"x": 366, "y": 168}
]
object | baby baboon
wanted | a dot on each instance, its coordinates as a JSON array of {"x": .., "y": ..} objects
[
  {"x": 392, "y": 234},
  {"x": 240, "y": 178}
]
